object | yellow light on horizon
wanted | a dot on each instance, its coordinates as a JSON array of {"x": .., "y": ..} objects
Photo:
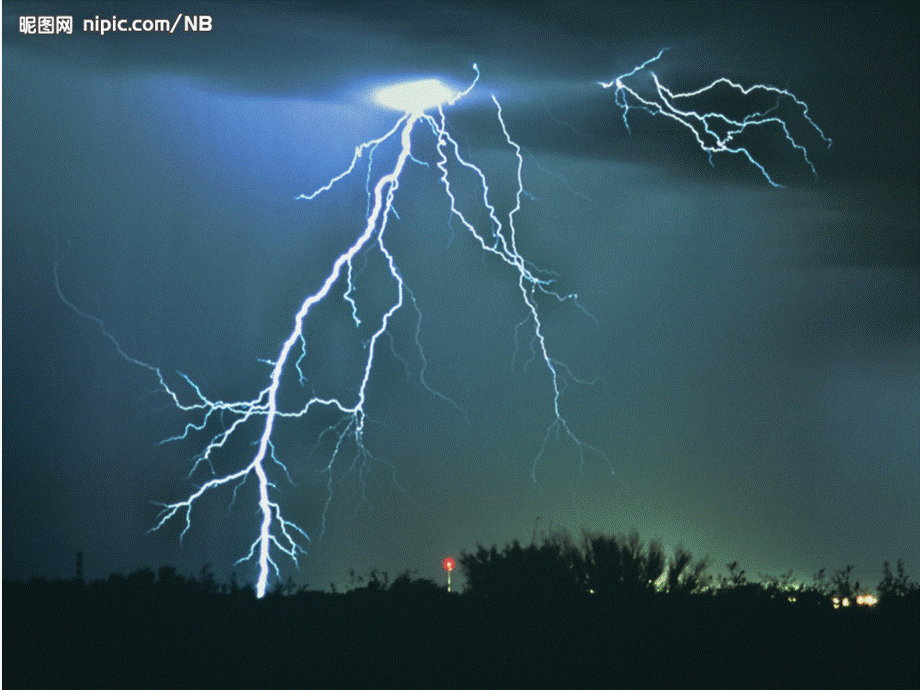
[{"x": 860, "y": 600}]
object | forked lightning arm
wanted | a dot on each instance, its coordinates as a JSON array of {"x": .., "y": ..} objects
[
  {"x": 714, "y": 132},
  {"x": 414, "y": 100}
]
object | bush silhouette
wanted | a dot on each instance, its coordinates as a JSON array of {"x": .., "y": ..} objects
[
  {"x": 893, "y": 586},
  {"x": 621, "y": 565},
  {"x": 617, "y": 566},
  {"x": 554, "y": 568}
]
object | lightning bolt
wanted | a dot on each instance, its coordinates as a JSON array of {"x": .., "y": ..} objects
[
  {"x": 277, "y": 535},
  {"x": 714, "y": 132}
]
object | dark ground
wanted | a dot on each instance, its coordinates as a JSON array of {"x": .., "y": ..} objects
[{"x": 126, "y": 633}]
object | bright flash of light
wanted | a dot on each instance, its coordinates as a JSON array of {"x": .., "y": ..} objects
[
  {"x": 497, "y": 237},
  {"x": 265, "y": 413},
  {"x": 714, "y": 131},
  {"x": 415, "y": 97}
]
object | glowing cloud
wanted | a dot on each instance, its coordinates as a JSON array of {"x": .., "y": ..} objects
[{"x": 415, "y": 97}]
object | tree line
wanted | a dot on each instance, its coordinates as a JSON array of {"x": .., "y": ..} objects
[
  {"x": 598, "y": 565},
  {"x": 618, "y": 566},
  {"x": 603, "y": 611}
]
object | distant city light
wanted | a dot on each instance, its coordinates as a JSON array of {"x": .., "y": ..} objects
[{"x": 861, "y": 600}]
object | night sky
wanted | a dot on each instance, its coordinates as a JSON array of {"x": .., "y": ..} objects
[{"x": 756, "y": 350}]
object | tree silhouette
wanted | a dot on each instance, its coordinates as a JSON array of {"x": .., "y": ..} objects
[
  {"x": 416, "y": 588},
  {"x": 841, "y": 586},
  {"x": 555, "y": 568},
  {"x": 898, "y": 585},
  {"x": 621, "y": 565},
  {"x": 685, "y": 576}
]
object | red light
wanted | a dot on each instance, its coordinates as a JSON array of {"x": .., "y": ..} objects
[{"x": 448, "y": 564}]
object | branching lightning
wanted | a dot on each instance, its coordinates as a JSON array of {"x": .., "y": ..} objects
[
  {"x": 714, "y": 132},
  {"x": 421, "y": 103}
]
